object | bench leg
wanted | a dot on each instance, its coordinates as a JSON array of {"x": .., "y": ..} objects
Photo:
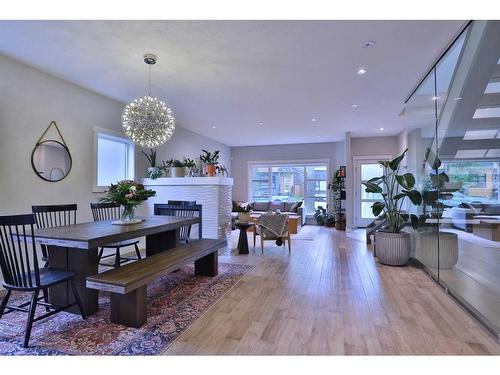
[
  {"x": 208, "y": 265},
  {"x": 130, "y": 309}
]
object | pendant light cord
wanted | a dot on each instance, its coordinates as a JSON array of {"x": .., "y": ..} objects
[{"x": 149, "y": 80}]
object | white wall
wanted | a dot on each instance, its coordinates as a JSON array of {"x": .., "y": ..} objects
[
  {"x": 185, "y": 143},
  {"x": 29, "y": 100},
  {"x": 374, "y": 146},
  {"x": 240, "y": 156}
]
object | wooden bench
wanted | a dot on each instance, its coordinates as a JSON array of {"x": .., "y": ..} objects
[{"x": 128, "y": 283}]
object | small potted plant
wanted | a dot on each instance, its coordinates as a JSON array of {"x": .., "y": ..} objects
[
  {"x": 393, "y": 245},
  {"x": 153, "y": 170},
  {"x": 244, "y": 213},
  {"x": 211, "y": 160},
  {"x": 222, "y": 170},
  {"x": 177, "y": 169},
  {"x": 190, "y": 164},
  {"x": 128, "y": 194}
]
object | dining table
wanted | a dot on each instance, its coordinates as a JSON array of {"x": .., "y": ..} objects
[{"x": 75, "y": 247}]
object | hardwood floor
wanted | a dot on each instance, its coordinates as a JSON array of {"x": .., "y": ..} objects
[{"x": 331, "y": 297}]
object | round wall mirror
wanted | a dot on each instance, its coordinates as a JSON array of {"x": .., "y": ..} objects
[{"x": 51, "y": 160}]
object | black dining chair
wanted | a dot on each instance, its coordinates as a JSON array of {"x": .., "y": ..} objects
[
  {"x": 182, "y": 209},
  {"x": 111, "y": 211},
  {"x": 20, "y": 271},
  {"x": 56, "y": 215}
]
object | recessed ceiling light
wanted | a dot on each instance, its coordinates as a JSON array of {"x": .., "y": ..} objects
[
  {"x": 381, "y": 129},
  {"x": 362, "y": 71},
  {"x": 368, "y": 44},
  {"x": 354, "y": 106},
  {"x": 470, "y": 154},
  {"x": 313, "y": 120},
  {"x": 214, "y": 127},
  {"x": 261, "y": 123},
  {"x": 319, "y": 136},
  {"x": 471, "y": 135}
]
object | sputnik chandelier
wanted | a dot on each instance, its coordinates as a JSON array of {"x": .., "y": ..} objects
[{"x": 148, "y": 121}]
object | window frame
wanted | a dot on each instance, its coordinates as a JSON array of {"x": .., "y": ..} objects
[
  {"x": 287, "y": 163},
  {"x": 130, "y": 154}
]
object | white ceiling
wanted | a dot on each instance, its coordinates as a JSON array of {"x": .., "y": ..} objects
[{"x": 235, "y": 74}]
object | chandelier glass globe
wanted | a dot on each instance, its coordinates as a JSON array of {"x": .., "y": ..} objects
[{"x": 148, "y": 121}]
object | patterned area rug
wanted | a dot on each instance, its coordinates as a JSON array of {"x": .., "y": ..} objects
[{"x": 174, "y": 303}]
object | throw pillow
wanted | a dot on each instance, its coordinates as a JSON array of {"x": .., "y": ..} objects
[
  {"x": 260, "y": 206},
  {"x": 276, "y": 205}
]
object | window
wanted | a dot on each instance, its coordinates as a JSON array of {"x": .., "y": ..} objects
[
  {"x": 114, "y": 158},
  {"x": 290, "y": 182}
]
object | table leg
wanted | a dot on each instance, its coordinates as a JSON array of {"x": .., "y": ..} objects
[
  {"x": 130, "y": 309},
  {"x": 156, "y": 243},
  {"x": 83, "y": 263},
  {"x": 243, "y": 242},
  {"x": 208, "y": 265}
]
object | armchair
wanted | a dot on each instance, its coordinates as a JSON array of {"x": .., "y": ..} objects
[{"x": 272, "y": 227}]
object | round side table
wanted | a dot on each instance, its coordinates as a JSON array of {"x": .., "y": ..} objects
[{"x": 243, "y": 239}]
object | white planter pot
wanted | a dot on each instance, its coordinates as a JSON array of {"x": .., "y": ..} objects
[
  {"x": 392, "y": 249},
  {"x": 177, "y": 171},
  {"x": 243, "y": 217},
  {"x": 426, "y": 250}
]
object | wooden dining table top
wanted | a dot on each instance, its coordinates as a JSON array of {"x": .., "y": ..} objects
[{"x": 94, "y": 234}]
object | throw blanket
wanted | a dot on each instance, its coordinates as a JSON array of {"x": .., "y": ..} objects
[{"x": 275, "y": 223}]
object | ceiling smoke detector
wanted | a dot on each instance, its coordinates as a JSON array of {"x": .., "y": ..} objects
[
  {"x": 150, "y": 59},
  {"x": 368, "y": 44}
]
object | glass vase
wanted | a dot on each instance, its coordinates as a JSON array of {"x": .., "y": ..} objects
[{"x": 128, "y": 213}]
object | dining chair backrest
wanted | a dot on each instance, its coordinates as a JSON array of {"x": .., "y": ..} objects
[
  {"x": 18, "y": 256},
  {"x": 183, "y": 209},
  {"x": 106, "y": 211},
  {"x": 54, "y": 215}
]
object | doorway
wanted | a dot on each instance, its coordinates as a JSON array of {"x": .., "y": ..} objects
[{"x": 365, "y": 169}]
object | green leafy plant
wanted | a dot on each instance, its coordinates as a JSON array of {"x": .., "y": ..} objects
[
  {"x": 151, "y": 156},
  {"x": 155, "y": 172},
  {"x": 127, "y": 193},
  {"x": 394, "y": 189},
  {"x": 438, "y": 186},
  {"x": 210, "y": 158},
  {"x": 222, "y": 170},
  {"x": 329, "y": 219},
  {"x": 319, "y": 215},
  {"x": 189, "y": 163}
]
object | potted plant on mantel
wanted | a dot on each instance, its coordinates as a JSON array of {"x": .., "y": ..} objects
[
  {"x": 211, "y": 160},
  {"x": 153, "y": 171},
  {"x": 393, "y": 245}
]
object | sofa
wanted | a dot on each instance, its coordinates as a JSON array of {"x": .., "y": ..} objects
[
  {"x": 263, "y": 207},
  {"x": 466, "y": 212}
]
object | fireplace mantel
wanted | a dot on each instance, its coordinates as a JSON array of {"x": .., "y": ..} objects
[{"x": 213, "y": 193}]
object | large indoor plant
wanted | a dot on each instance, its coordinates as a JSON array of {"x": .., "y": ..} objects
[
  {"x": 393, "y": 245},
  {"x": 153, "y": 170},
  {"x": 211, "y": 159},
  {"x": 437, "y": 189},
  {"x": 128, "y": 194}
]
